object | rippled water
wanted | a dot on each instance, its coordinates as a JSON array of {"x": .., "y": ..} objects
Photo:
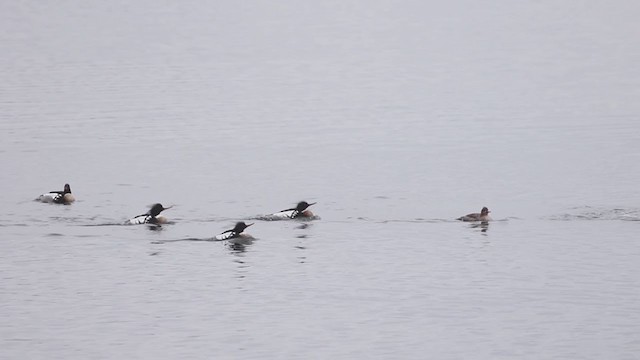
[{"x": 395, "y": 118}]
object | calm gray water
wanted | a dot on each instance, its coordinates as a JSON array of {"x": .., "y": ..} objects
[{"x": 395, "y": 117}]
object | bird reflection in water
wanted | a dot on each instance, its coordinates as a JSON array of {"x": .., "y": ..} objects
[
  {"x": 301, "y": 246},
  {"x": 237, "y": 247},
  {"x": 240, "y": 244},
  {"x": 303, "y": 227},
  {"x": 483, "y": 226},
  {"x": 301, "y": 258},
  {"x": 155, "y": 227},
  {"x": 242, "y": 268}
]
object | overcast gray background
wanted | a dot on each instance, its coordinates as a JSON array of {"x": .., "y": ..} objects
[{"x": 396, "y": 117}]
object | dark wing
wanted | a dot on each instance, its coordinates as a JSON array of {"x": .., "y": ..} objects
[{"x": 470, "y": 217}]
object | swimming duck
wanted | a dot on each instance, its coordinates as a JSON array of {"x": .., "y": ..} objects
[
  {"x": 482, "y": 216},
  {"x": 58, "y": 197},
  {"x": 236, "y": 234},
  {"x": 151, "y": 216},
  {"x": 300, "y": 211}
]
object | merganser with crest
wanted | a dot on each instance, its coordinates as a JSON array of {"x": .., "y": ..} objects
[
  {"x": 482, "y": 216},
  {"x": 300, "y": 211},
  {"x": 58, "y": 197},
  {"x": 151, "y": 216},
  {"x": 236, "y": 234}
]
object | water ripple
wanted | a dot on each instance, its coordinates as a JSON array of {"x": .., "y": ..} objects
[{"x": 592, "y": 213}]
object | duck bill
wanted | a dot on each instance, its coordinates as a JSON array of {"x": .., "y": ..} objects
[
  {"x": 250, "y": 224},
  {"x": 313, "y": 203}
]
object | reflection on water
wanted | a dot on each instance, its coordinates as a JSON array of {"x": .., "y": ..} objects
[
  {"x": 237, "y": 247},
  {"x": 482, "y": 226},
  {"x": 155, "y": 227},
  {"x": 302, "y": 258},
  {"x": 241, "y": 270}
]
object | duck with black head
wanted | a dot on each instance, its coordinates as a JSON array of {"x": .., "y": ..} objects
[
  {"x": 58, "y": 197},
  {"x": 299, "y": 212},
  {"x": 150, "y": 217},
  {"x": 236, "y": 235},
  {"x": 483, "y": 216}
]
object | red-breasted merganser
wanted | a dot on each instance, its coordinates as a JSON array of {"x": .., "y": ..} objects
[
  {"x": 151, "y": 216},
  {"x": 236, "y": 234},
  {"x": 482, "y": 216},
  {"x": 58, "y": 197},
  {"x": 299, "y": 212}
]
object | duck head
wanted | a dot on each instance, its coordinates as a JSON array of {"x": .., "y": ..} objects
[
  {"x": 303, "y": 205},
  {"x": 240, "y": 226},
  {"x": 156, "y": 209}
]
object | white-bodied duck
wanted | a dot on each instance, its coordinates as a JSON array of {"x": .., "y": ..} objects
[
  {"x": 236, "y": 235},
  {"x": 58, "y": 197},
  {"x": 150, "y": 217},
  {"x": 299, "y": 212}
]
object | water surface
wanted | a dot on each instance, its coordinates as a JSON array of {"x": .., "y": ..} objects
[{"x": 395, "y": 118}]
